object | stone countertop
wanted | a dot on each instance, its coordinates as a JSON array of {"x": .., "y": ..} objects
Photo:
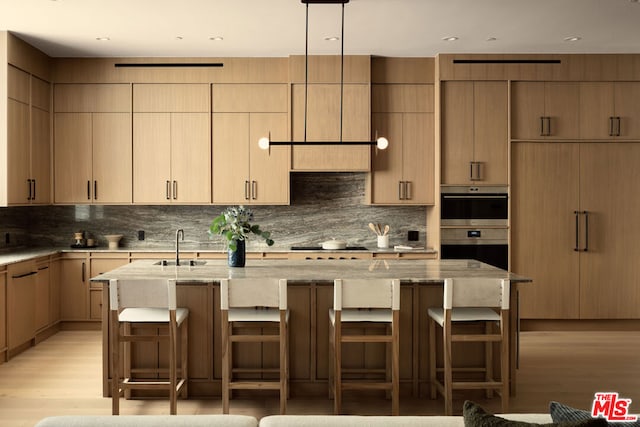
[
  {"x": 312, "y": 271},
  {"x": 25, "y": 254}
]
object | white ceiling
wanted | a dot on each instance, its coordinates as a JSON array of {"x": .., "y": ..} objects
[{"x": 63, "y": 28}]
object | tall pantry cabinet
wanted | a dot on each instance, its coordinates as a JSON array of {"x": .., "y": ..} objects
[
  {"x": 28, "y": 132},
  {"x": 575, "y": 230}
]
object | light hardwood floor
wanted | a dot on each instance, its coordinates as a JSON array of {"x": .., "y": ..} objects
[{"x": 62, "y": 375}]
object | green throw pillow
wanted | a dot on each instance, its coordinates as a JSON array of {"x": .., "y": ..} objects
[
  {"x": 475, "y": 416},
  {"x": 562, "y": 413}
]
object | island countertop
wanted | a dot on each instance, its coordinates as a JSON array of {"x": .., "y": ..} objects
[{"x": 314, "y": 271}]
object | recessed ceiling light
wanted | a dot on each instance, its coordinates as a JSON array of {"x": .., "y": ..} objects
[
  {"x": 450, "y": 38},
  {"x": 179, "y": 37},
  {"x": 332, "y": 38},
  {"x": 103, "y": 39},
  {"x": 216, "y": 38},
  {"x": 491, "y": 39},
  {"x": 572, "y": 39}
]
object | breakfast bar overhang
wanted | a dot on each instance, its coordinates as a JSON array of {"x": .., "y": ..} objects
[{"x": 310, "y": 295}]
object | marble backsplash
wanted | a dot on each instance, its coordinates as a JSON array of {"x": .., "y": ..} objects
[{"x": 323, "y": 205}]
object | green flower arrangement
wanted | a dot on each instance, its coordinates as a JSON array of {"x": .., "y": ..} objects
[{"x": 234, "y": 223}]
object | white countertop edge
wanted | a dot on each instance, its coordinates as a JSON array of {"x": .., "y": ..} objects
[{"x": 26, "y": 254}]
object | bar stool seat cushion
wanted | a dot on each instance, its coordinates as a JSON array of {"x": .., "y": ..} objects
[
  {"x": 151, "y": 315},
  {"x": 465, "y": 314},
  {"x": 255, "y": 315},
  {"x": 381, "y": 315}
]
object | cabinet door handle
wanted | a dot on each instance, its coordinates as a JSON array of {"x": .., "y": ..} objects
[
  {"x": 576, "y": 248},
  {"x": 611, "y": 131},
  {"x": 254, "y": 190},
  {"x": 614, "y": 126},
  {"x": 83, "y": 273},
  {"x": 46, "y": 267},
  {"x": 407, "y": 190},
  {"x": 475, "y": 171},
  {"x": 89, "y": 190},
  {"x": 175, "y": 190},
  {"x": 545, "y": 126},
  {"x": 168, "y": 190},
  {"x": 29, "y": 197},
  {"x": 95, "y": 190},
  {"x": 400, "y": 190},
  {"x": 246, "y": 190},
  {"x": 586, "y": 231},
  {"x": 33, "y": 194},
  {"x": 20, "y": 276}
]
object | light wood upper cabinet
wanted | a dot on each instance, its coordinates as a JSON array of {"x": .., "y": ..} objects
[
  {"x": 93, "y": 158},
  {"x": 171, "y": 143},
  {"x": 171, "y": 153},
  {"x": 404, "y": 172},
  {"x": 92, "y": 144},
  {"x": 572, "y": 241},
  {"x": 18, "y": 153},
  {"x": 323, "y": 124},
  {"x": 545, "y": 110},
  {"x": 608, "y": 110},
  {"x": 191, "y": 157},
  {"x": 474, "y": 133},
  {"x": 242, "y": 172},
  {"x": 28, "y": 136}
]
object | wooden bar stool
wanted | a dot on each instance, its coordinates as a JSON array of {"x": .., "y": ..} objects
[
  {"x": 365, "y": 303},
  {"x": 150, "y": 303},
  {"x": 252, "y": 303},
  {"x": 471, "y": 300}
]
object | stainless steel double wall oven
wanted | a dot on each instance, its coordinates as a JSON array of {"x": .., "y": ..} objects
[{"x": 474, "y": 224}]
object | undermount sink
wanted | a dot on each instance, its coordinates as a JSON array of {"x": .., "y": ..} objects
[{"x": 185, "y": 262}]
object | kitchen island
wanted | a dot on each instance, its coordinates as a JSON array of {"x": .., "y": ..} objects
[{"x": 310, "y": 295}]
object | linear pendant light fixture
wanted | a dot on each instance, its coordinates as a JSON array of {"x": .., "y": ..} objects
[{"x": 265, "y": 142}]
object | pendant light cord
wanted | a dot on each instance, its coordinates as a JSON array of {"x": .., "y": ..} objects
[
  {"x": 306, "y": 69},
  {"x": 341, "y": 71}
]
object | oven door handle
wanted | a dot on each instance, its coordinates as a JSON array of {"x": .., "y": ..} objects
[{"x": 473, "y": 196}]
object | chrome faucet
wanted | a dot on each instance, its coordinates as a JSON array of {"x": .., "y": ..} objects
[{"x": 179, "y": 234}]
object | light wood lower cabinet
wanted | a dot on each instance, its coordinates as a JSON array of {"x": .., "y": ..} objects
[
  {"x": 3, "y": 315},
  {"x": 574, "y": 229},
  {"x": 74, "y": 289},
  {"x": 21, "y": 304},
  {"x": 43, "y": 296},
  {"x": 101, "y": 263}
]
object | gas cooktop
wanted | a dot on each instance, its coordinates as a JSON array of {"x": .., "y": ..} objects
[{"x": 319, "y": 248}]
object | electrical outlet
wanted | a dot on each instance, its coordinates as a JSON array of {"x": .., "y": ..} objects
[
  {"x": 413, "y": 236},
  {"x": 141, "y": 235}
]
